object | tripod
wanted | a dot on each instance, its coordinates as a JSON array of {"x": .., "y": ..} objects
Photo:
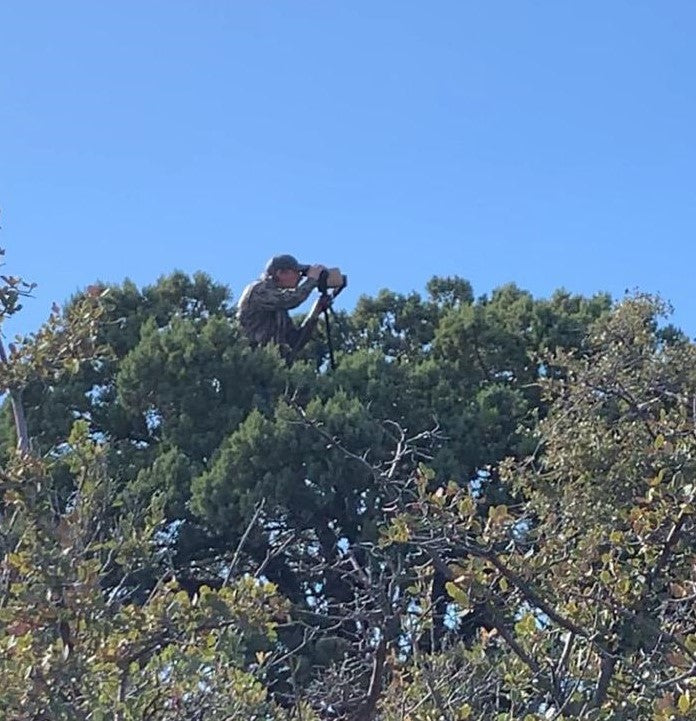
[
  {"x": 327, "y": 299},
  {"x": 328, "y": 311}
]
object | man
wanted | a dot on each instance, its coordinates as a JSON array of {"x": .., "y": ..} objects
[{"x": 263, "y": 307}]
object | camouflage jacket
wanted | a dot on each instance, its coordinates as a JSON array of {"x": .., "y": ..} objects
[{"x": 263, "y": 311}]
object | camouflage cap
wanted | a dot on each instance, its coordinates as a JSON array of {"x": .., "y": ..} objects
[{"x": 284, "y": 262}]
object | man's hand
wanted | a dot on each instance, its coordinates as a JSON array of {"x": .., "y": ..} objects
[{"x": 315, "y": 271}]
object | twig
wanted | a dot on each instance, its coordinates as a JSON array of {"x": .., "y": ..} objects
[
  {"x": 242, "y": 541},
  {"x": 332, "y": 441},
  {"x": 367, "y": 711},
  {"x": 605, "y": 675},
  {"x": 20, "y": 419},
  {"x": 565, "y": 655},
  {"x": 273, "y": 553}
]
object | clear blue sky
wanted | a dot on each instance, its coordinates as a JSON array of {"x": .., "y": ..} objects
[{"x": 546, "y": 143}]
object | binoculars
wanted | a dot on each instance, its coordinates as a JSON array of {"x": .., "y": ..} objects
[{"x": 331, "y": 278}]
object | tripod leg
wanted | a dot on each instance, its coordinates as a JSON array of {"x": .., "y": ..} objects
[{"x": 329, "y": 341}]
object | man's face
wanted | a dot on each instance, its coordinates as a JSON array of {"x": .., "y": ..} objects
[{"x": 287, "y": 278}]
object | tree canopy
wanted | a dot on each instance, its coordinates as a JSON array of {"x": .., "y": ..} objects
[{"x": 485, "y": 511}]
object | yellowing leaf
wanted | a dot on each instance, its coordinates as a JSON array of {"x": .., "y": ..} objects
[
  {"x": 466, "y": 506},
  {"x": 679, "y": 660},
  {"x": 664, "y": 703},
  {"x": 398, "y": 531},
  {"x": 616, "y": 537},
  {"x": 464, "y": 712},
  {"x": 503, "y": 584},
  {"x": 677, "y": 590},
  {"x": 659, "y": 441},
  {"x": 624, "y": 585},
  {"x": 498, "y": 514},
  {"x": 684, "y": 703},
  {"x": 438, "y": 498}
]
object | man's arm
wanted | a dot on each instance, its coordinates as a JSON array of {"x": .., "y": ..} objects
[
  {"x": 302, "y": 334},
  {"x": 269, "y": 297}
]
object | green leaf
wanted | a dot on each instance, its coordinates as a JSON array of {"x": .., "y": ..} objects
[
  {"x": 656, "y": 480},
  {"x": 458, "y": 595},
  {"x": 526, "y": 626},
  {"x": 426, "y": 472}
]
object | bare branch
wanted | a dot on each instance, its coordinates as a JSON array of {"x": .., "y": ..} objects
[
  {"x": 20, "y": 419},
  {"x": 242, "y": 541}
]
